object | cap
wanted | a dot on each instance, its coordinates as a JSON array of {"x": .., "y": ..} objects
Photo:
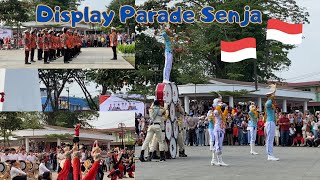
[
  {"x": 26, "y": 31},
  {"x": 113, "y": 28}
]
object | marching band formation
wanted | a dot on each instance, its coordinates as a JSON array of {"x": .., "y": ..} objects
[
  {"x": 51, "y": 45},
  {"x": 73, "y": 162}
]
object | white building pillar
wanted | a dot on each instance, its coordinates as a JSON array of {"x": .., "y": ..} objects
[
  {"x": 231, "y": 101},
  {"x": 108, "y": 145},
  {"x": 27, "y": 144},
  {"x": 259, "y": 104},
  {"x": 305, "y": 105},
  {"x": 186, "y": 104},
  {"x": 58, "y": 142},
  {"x": 284, "y": 105}
]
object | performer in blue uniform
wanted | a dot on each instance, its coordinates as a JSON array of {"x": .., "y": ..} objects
[
  {"x": 270, "y": 124},
  {"x": 168, "y": 55},
  {"x": 253, "y": 127}
]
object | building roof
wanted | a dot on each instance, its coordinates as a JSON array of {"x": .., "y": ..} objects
[
  {"x": 51, "y": 130},
  {"x": 217, "y": 84},
  {"x": 304, "y": 84}
]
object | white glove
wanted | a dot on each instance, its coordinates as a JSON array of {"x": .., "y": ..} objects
[{"x": 165, "y": 106}]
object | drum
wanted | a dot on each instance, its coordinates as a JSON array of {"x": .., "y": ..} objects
[
  {"x": 23, "y": 165},
  {"x": 3, "y": 168},
  {"x": 168, "y": 129},
  {"x": 172, "y": 112},
  {"x": 173, "y": 148},
  {"x": 175, "y": 93},
  {"x": 164, "y": 93},
  {"x": 175, "y": 129}
]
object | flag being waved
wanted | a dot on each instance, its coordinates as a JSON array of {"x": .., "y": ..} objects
[
  {"x": 284, "y": 32},
  {"x": 238, "y": 50}
]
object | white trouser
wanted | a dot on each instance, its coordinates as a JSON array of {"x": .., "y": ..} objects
[
  {"x": 211, "y": 134},
  {"x": 153, "y": 130},
  {"x": 253, "y": 135},
  {"x": 167, "y": 66},
  {"x": 218, "y": 136},
  {"x": 270, "y": 132},
  {"x": 206, "y": 136}
]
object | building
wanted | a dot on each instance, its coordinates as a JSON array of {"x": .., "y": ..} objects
[
  {"x": 54, "y": 135},
  {"x": 128, "y": 138},
  {"x": 287, "y": 98},
  {"x": 311, "y": 86},
  {"x": 65, "y": 103}
]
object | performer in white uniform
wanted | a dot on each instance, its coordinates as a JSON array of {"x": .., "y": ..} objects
[
  {"x": 253, "y": 127},
  {"x": 168, "y": 55},
  {"x": 219, "y": 129},
  {"x": 156, "y": 127}
]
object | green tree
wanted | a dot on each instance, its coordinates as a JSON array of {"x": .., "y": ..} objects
[
  {"x": 9, "y": 121},
  {"x": 202, "y": 54},
  {"x": 130, "y": 23}
]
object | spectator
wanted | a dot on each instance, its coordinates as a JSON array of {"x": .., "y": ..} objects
[
  {"x": 310, "y": 139},
  {"x": 284, "y": 123},
  {"x": 292, "y": 134},
  {"x": 260, "y": 130},
  {"x": 235, "y": 134},
  {"x": 298, "y": 140}
]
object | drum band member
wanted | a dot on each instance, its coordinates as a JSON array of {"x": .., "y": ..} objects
[
  {"x": 253, "y": 123},
  {"x": 66, "y": 172},
  {"x": 39, "y": 45},
  {"x": 180, "y": 114},
  {"x": 44, "y": 172},
  {"x": 210, "y": 117},
  {"x": 33, "y": 44},
  {"x": 46, "y": 44},
  {"x": 15, "y": 172},
  {"x": 4, "y": 156},
  {"x": 93, "y": 172},
  {"x": 76, "y": 165},
  {"x": 27, "y": 46},
  {"x": 271, "y": 123},
  {"x": 219, "y": 118},
  {"x": 113, "y": 42},
  {"x": 156, "y": 127}
]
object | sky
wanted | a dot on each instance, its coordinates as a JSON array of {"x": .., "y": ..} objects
[{"x": 304, "y": 62}]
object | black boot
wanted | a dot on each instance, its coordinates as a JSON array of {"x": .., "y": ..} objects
[
  {"x": 150, "y": 156},
  {"x": 154, "y": 155},
  {"x": 141, "y": 158},
  {"x": 162, "y": 158},
  {"x": 182, "y": 154},
  {"x": 168, "y": 155}
]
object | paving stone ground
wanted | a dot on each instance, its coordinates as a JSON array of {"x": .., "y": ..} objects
[
  {"x": 89, "y": 58},
  {"x": 296, "y": 163}
]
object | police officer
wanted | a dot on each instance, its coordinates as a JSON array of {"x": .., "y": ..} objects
[
  {"x": 27, "y": 46},
  {"x": 157, "y": 125}
]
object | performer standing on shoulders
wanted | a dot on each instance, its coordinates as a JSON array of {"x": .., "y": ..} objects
[
  {"x": 271, "y": 123},
  {"x": 168, "y": 55},
  {"x": 219, "y": 128},
  {"x": 254, "y": 115},
  {"x": 156, "y": 127}
]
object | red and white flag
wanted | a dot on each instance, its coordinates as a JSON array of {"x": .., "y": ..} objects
[
  {"x": 284, "y": 32},
  {"x": 238, "y": 50}
]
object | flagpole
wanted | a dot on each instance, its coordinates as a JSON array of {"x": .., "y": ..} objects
[{"x": 255, "y": 74}]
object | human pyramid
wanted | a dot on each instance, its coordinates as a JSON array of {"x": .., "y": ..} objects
[
  {"x": 166, "y": 114},
  {"x": 51, "y": 45}
]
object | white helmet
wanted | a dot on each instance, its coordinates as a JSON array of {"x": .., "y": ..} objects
[{"x": 216, "y": 102}]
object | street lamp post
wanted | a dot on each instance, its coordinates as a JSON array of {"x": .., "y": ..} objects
[
  {"x": 121, "y": 126},
  {"x": 67, "y": 89}
]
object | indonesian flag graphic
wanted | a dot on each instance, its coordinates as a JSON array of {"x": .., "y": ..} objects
[
  {"x": 238, "y": 50},
  {"x": 284, "y": 32}
]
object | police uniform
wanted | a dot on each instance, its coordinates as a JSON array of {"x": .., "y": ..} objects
[
  {"x": 156, "y": 127},
  {"x": 51, "y": 44},
  {"x": 27, "y": 46},
  {"x": 180, "y": 114}
]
